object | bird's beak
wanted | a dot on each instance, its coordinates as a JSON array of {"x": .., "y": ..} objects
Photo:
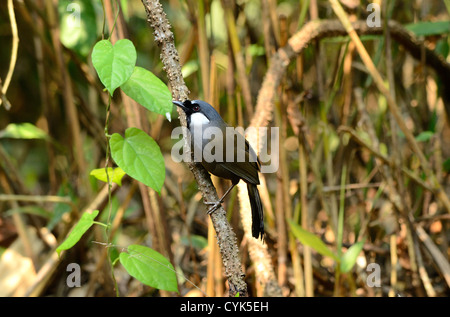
[{"x": 179, "y": 104}]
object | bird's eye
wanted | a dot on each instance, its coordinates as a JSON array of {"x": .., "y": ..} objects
[{"x": 196, "y": 108}]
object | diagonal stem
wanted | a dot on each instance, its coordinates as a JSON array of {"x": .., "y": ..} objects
[{"x": 225, "y": 236}]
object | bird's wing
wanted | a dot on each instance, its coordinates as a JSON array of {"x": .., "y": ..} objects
[
  {"x": 247, "y": 169},
  {"x": 245, "y": 162},
  {"x": 252, "y": 154}
]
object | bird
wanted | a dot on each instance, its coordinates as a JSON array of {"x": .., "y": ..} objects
[{"x": 236, "y": 162}]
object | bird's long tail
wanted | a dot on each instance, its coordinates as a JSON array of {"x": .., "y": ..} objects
[{"x": 257, "y": 211}]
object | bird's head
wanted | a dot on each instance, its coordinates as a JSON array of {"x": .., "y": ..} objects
[{"x": 198, "y": 112}]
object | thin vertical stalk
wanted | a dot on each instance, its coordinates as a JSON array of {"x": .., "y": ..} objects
[
  {"x": 269, "y": 44},
  {"x": 396, "y": 152},
  {"x": 347, "y": 83},
  {"x": 281, "y": 212},
  {"x": 217, "y": 272},
  {"x": 299, "y": 130},
  {"x": 284, "y": 164},
  {"x": 212, "y": 243},
  {"x": 307, "y": 259},
  {"x": 214, "y": 267},
  {"x": 14, "y": 49},
  {"x": 274, "y": 21},
  {"x": 287, "y": 204},
  {"x": 203, "y": 50},
  {"x": 333, "y": 209},
  {"x": 313, "y": 10},
  {"x": 394, "y": 262},
  {"x": 242, "y": 77},
  {"x": 340, "y": 232},
  {"x": 230, "y": 88},
  {"x": 340, "y": 235},
  {"x": 304, "y": 5},
  {"x": 213, "y": 84},
  {"x": 422, "y": 271}
]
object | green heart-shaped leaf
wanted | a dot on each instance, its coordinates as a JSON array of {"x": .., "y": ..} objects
[
  {"x": 114, "y": 64},
  {"x": 149, "y": 267},
  {"x": 149, "y": 91},
  {"x": 139, "y": 156}
]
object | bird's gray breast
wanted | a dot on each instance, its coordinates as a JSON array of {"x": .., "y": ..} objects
[{"x": 208, "y": 143}]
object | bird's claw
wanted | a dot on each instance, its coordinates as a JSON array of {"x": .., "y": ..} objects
[{"x": 215, "y": 206}]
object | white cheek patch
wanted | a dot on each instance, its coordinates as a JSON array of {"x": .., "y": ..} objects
[{"x": 198, "y": 119}]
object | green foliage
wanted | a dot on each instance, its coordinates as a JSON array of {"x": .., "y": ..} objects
[
  {"x": 23, "y": 131},
  {"x": 136, "y": 154},
  {"x": 115, "y": 175},
  {"x": 424, "y": 136},
  {"x": 196, "y": 241},
  {"x": 78, "y": 25},
  {"x": 114, "y": 64},
  {"x": 145, "y": 264},
  {"x": 149, "y": 267},
  {"x": 429, "y": 28},
  {"x": 346, "y": 261},
  {"x": 32, "y": 210},
  {"x": 83, "y": 225},
  {"x": 140, "y": 157},
  {"x": 311, "y": 240},
  {"x": 60, "y": 208},
  {"x": 189, "y": 68},
  {"x": 148, "y": 90},
  {"x": 446, "y": 165}
]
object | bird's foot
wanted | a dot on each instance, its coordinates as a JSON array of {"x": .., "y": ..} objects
[{"x": 214, "y": 207}]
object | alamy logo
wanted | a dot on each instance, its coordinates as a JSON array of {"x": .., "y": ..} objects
[
  {"x": 374, "y": 19},
  {"x": 74, "y": 19},
  {"x": 374, "y": 278},
  {"x": 74, "y": 278}
]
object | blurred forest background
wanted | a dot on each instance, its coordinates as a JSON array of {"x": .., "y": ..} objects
[{"x": 347, "y": 171}]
